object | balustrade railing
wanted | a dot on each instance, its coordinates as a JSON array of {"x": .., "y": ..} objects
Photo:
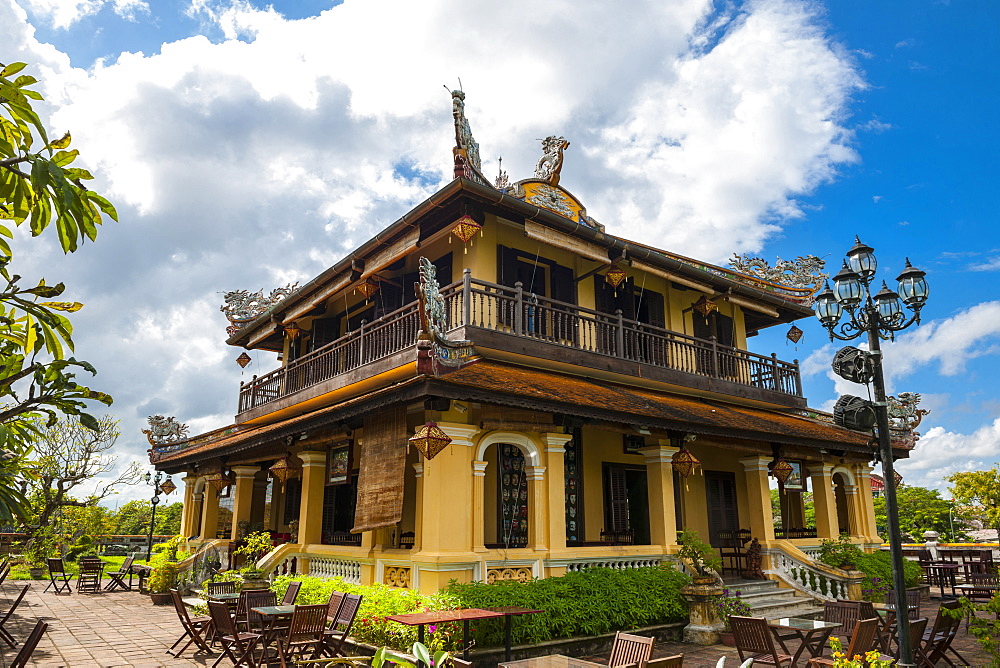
[
  {"x": 802, "y": 573},
  {"x": 480, "y": 304},
  {"x": 619, "y": 564}
]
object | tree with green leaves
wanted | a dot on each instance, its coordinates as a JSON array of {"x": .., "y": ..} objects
[
  {"x": 38, "y": 186},
  {"x": 981, "y": 491},
  {"x": 920, "y": 510}
]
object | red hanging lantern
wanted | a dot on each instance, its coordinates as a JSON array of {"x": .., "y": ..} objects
[
  {"x": 684, "y": 462},
  {"x": 466, "y": 228},
  {"x": 368, "y": 287},
  {"x": 429, "y": 440},
  {"x": 283, "y": 470},
  {"x": 782, "y": 470},
  {"x": 615, "y": 276}
]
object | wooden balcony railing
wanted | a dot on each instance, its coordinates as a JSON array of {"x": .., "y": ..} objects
[{"x": 475, "y": 304}]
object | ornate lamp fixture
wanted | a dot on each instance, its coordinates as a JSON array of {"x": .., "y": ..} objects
[
  {"x": 879, "y": 316},
  {"x": 368, "y": 287},
  {"x": 615, "y": 275},
  {"x": 283, "y": 470},
  {"x": 167, "y": 486},
  {"x": 219, "y": 480},
  {"x": 465, "y": 228},
  {"x": 429, "y": 440},
  {"x": 782, "y": 470},
  {"x": 704, "y": 306},
  {"x": 684, "y": 462}
]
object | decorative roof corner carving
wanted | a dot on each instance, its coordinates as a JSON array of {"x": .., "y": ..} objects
[
  {"x": 164, "y": 430},
  {"x": 799, "y": 279},
  {"x": 242, "y": 306},
  {"x": 550, "y": 164},
  {"x": 464, "y": 141},
  {"x": 434, "y": 324}
]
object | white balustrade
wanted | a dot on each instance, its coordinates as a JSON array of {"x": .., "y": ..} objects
[
  {"x": 806, "y": 577},
  {"x": 616, "y": 564},
  {"x": 346, "y": 569}
]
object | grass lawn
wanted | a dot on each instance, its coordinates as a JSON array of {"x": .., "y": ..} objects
[{"x": 20, "y": 571}]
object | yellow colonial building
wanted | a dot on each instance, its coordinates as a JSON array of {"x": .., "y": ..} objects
[{"x": 576, "y": 399}]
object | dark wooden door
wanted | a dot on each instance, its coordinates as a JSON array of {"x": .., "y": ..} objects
[{"x": 723, "y": 512}]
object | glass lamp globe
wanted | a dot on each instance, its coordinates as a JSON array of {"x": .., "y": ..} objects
[
  {"x": 847, "y": 287},
  {"x": 862, "y": 259},
  {"x": 888, "y": 304},
  {"x": 913, "y": 286},
  {"x": 827, "y": 308}
]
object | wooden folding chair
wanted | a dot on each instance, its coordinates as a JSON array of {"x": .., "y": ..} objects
[
  {"x": 58, "y": 577},
  {"x": 305, "y": 634},
  {"x": 291, "y": 593},
  {"x": 226, "y": 633},
  {"x": 864, "y": 638},
  {"x": 845, "y": 613},
  {"x": 4, "y": 571},
  {"x": 628, "y": 649},
  {"x": 754, "y": 640},
  {"x": 246, "y": 618},
  {"x": 675, "y": 661},
  {"x": 118, "y": 577},
  {"x": 917, "y": 629},
  {"x": 227, "y": 587},
  {"x": 912, "y": 602},
  {"x": 28, "y": 648},
  {"x": 8, "y": 638},
  {"x": 89, "y": 579},
  {"x": 193, "y": 626},
  {"x": 937, "y": 643},
  {"x": 334, "y": 637}
]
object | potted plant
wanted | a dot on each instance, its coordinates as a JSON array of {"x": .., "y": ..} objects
[
  {"x": 731, "y": 603},
  {"x": 161, "y": 580},
  {"x": 702, "y": 556},
  {"x": 255, "y": 546},
  {"x": 840, "y": 553}
]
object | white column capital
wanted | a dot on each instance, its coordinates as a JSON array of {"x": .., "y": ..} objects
[
  {"x": 460, "y": 434},
  {"x": 479, "y": 468},
  {"x": 556, "y": 442},
  {"x": 534, "y": 472},
  {"x": 418, "y": 469},
  {"x": 312, "y": 458},
  {"x": 244, "y": 472},
  {"x": 664, "y": 454},
  {"x": 756, "y": 463},
  {"x": 865, "y": 470},
  {"x": 822, "y": 470}
]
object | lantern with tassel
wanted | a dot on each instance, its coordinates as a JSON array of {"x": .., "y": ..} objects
[
  {"x": 219, "y": 480},
  {"x": 615, "y": 276},
  {"x": 168, "y": 486},
  {"x": 782, "y": 470},
  {"x": 465, "y": 228},
  {"x": 898, "y": 478},
  {"x": 368, "y": 287},
  {"x": 283, "y": 470},
  {"x": 429, "y": 440}
]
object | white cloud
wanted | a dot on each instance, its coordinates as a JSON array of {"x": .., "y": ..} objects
[
  {"x": 991, "y": 264},
  {"x": 64, "y": 13},
  {"x": 939, "y": 453},
  {"x": 950, "y": 343}
]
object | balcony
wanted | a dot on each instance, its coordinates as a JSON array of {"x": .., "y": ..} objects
[{"x": 501, "y": 320}]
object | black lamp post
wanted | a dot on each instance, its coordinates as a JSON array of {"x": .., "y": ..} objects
[
  {"x": 159, "y": 485},
  {"x": 879, "y": 316}
]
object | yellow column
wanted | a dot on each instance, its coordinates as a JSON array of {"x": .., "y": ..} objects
[
  {"x": 660, "y": 485},
  {"x": 259, "y": 499},
  {"x": 278, "y": 508},
  {"x": 243, "y": 499},
  {"x": 555, "y": 453},
  {"x": 758, "y": 497},
  {"x": 538, "y": 507},
  {"x": 827, "y": 525},
  {"x": 197, "y": 505},
  {"x": 448, "y": 494},
  {"x": 478, "y": 506},
  {"x": 187, "y": 516},
  {"x": 418, "y": 520},
  {"x": 851, "y": 494},
  {"x": 209, "y": 513},
  {"x": 311, "y": 505},
  {"x": 867, "y": 504}
]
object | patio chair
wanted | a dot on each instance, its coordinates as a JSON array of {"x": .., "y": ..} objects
[
  {"x": 937, "y": 643},
  {"x": 193, "y": 626},
  {"x": 917, "y": 629},
  {"x": 58, "y": 577},
  {"x": 754, "y": 640},
  {"x": 4, "y": 571},
  {"x": 884, "y": 638},
  {"x": 731, "y": 551},
  {"x": 246, "y": 618},
  {"x": 333, "y": 605},
  {"x": 89, "y": 579},
  {"x": 118, "y": 577},
  {"x": 28, "y": 648},
  {"x": 675, "y": 661},
  {"x": 864, "y": 638},
  {"x": 985, "y": 586},
  {"x": 845, "y": 613},
  {"x": 227, "y": 587},
  {"x": 912, "y": 602},
  {"x": 334, "y": 637},
  {"x": 305, "y": 633},
  {"x": 291, "y": 593},
  {"x": 226, "y": 633},
  {"x": 4, "y": 633},
  {"x": 630, "y": 649}
]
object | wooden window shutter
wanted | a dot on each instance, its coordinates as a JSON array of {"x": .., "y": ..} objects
[{"x": 617, "y": 499}]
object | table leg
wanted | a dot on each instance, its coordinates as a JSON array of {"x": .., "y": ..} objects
[
  {"x": 507, "y": 636},
  {"x": 420, "y": 639},
  {"x": 465, "y": 639}
]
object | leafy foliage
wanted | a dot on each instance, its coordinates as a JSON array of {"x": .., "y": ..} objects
[
  {"x": 587, "y": 602},
  {"x": 701, "y": 555},
  {"x": 839, "y": 552},
  {"x": 869, "y": 660},
  {"x": 980, "y": 489},
  {"x": 920, "y": 510},
  {"x": 986, "y": 630},
  {"x": 732, "y": 603},
  {"x": 879, "y": 565}
]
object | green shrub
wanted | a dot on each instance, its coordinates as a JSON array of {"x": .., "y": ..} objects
[
  {"x": 879, "y": 565},
  {"x": 587, "y": 602}
]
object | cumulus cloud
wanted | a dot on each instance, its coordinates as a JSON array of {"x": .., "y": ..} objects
[
  {"x": 949, "y": 343},
  {"x": 64, "y": 13},
  {"x": 263, "y": 157},
  {"x": 939, "y": 453}
]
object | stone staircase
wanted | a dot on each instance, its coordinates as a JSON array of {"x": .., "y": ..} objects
[{"x": 768, "y": 600}]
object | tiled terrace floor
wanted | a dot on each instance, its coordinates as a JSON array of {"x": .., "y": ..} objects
[{"x": 125, "y": 629}]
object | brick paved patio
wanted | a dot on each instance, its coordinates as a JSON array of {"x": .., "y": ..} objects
[{"x": 125, "y": 629}]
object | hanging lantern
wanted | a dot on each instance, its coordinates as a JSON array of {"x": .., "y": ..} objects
[
  {"x": 243, "y": 360},
  {"x": 898, "y": 478},
  {"x": 168, "y": 486},
  {"x": 283, "y": 470},
  {"x": 704, "y": 306},
  {"x": 615, "y": 276},
  {"x": 794, "y": 334},
  {"x": 219, "y": 480},
  {"x": 466, "y": 228},
  {"x": 429, "y": 440},
  {"x": 368, "y": 287},
  {"x": 782, "y": 470},
  {"x": 292, "y": 331},
  {"x": 684, "y": 462}
]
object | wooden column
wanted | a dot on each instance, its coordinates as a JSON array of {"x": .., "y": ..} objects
[
  {"x": 538, "y": 508},
  {"x": 660, "y": 485},
  {"x": 555, "y": 454},
  {"x": 827, "y": 525},
  {"x": 209, "y": 513},
  {"x": 758, "y": 497},
  {"x": 243, "y": 490},
  {"x": 188, "y": 517},
  {"x": 478, "y": 506}
]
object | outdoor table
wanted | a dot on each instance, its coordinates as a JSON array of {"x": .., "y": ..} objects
[
  {"x": 234, "y": 596},
  {"x": 942, "y": 572},
  {"x": 272, "y": 613},
  {"x": 419, "y": 619},
  {"x": 812, "y": 633},
  {"x": 886, "y": 632},
  {"x": 509, "y": 612},
  {"x": 978, "y": 587},
  {"x": 551, "y": 661}
]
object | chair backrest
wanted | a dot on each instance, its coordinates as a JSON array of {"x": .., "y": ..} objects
[
  {"x": 291, "y": 593},
  {"x": 675, "y": 661},
  {"x": 917, "y": 628},
  {"x": 348, "y": 611},
  {"x": 17, "y": 602},
  {"x": 845, "y": 613},
  {"x": 753, "y": 637},
  {"x": 222, "y": 587},
  {"x": 221, "y": 620},
  {"x": 180, "y": 608},
  {"x": 912, "y": 602},
  {"x": 55, "y": 565},
  {"x": 91, "y": 567},
  {"x": 28, "y": 648},
  {"x": 863, "y": 637},
  {"x": 945, "y": 626},
  {"x": 257, "y": 598},
  {"x": 127, "y": 564},
  {"x": 333, "y": 605},
  {"x": 308, "y": 623},
  {"x": 629, "y": 648},
  {"x": 866, "y": 610}
]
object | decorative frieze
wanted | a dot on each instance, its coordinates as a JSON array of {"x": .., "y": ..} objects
[{"x": 397, "y": 576}]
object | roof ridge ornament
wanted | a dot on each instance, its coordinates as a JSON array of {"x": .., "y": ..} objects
[
  {"x": 242, "y": 306},
  {"x": 465, "y": 143},
  {"x": 164, "y": 430},
  {"x": 550, "y": 164},
  {"x": 804, "y": 272}
]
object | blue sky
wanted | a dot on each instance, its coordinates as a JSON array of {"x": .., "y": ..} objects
[{"x": 249, "y": 145}]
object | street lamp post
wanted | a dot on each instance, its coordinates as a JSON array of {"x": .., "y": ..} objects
[
  {"x": 159, "y": 485},
  {"x": 878, "y": 316}
]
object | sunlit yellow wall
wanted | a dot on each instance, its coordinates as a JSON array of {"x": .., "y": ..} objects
[{"x": 600, "y": 446}]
